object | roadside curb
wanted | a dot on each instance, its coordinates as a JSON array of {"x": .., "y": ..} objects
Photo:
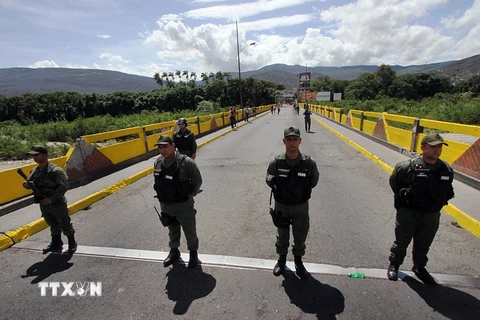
[
  {"x": 464, "y": 220},
  {"x": 15, "y": 236}
]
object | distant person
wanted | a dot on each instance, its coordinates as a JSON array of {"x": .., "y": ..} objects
[
  {"x": 278, "y": 109},
  {"x": 272, "y": 109},
  {"x": 246, "y": 112},
  {"x": 308, "y": 121},
  {"x": 177, "y": 181},
  {"x": 421, "y": 187},
  {"x": 254, "y": 111},
  {"x": 233, "y": 117},
  {"x": 52, "y": 182},
  {"x": 291, "y": 176},
  {"x": 184, "y": 139}
]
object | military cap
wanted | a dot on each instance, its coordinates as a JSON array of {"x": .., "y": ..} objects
[
  {"x": 291, "y": 131},
  {"x": 433, "y": 139},
  {"x": 182, "y": 121},
  {"x": 163, "y": 139},
  {"x": 38, "y": 149}
]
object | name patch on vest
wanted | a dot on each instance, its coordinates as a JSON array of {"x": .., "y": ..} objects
[
  {"x": 302, "y": 174},
  {"x": 168, "y": 177},
  {"x": 444, "y": 178}
]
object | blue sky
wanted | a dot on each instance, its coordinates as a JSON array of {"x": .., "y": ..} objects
[{"x": 147, "y": 36}]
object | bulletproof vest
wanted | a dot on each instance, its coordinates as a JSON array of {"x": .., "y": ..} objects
[
  {"x": 429, "y": 190},
  {"x": 44, "y": 179},
  {"x": 167, "y": 185},
  {"x": 291, "y": 183},
  {"x": 183, "y": 140}
]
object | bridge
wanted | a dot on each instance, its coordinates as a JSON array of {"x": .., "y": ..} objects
[{"x": 122, "y": 243}]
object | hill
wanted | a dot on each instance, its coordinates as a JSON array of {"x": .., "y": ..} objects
[{"x": 15, "y": 81}]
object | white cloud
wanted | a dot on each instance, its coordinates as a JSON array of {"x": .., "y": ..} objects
[
  {"x": 468, "y": 19},
  {"x": 44, "y": 64},
  {"x": 103, "y": 36},
  {"x": 112, "y": 58}
]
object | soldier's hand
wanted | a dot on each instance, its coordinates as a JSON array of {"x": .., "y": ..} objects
[
  {"x": 404, "y": 193},
  {"x": 27, "y": 185},
  {"x": 46, "y": 201}
]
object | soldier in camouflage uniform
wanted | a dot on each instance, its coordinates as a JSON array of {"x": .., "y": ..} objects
[
  {"x": 52, "y": 182},
  {"x": 292, "y": 176},
  {"x": 177, "y": 181},
  {"x": 421, "y": 186},
  {"x": 184, "y": 139}
]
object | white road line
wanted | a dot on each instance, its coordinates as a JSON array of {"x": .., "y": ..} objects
[{"x": 248, "y": 263}]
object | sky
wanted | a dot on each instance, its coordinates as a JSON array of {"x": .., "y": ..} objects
[{"x": 147, "y": 36}]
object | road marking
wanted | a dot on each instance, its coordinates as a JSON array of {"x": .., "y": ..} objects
[{"x": 247, "y": 263}]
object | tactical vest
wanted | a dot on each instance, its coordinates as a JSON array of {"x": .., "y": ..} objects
[
  {"x": 184, "y": 141},
  {"x": 291, "y": 183},
  {"x": 429, "y": 190},
  {"x": 45, "y": 181},
  {"x": 169, "y": 189}
]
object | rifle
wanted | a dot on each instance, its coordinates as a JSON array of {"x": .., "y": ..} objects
[{"x": 37, "y": 193}]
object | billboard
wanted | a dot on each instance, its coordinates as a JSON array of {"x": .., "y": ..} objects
[
  {"x": 323, "y": 96},
  {"x": 304, "y": 81},
  {"x": 337, "y": 96},
  {"x": 308, "y": 96}
]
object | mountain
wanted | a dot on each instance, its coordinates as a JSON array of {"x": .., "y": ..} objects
[{"x": 15, "y": 81}]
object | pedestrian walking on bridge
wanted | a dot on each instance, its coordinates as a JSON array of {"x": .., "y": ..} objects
[
  {"x": 177, "y": 181},
  {"x": 291, "y": 176},
  {"x": 421, "y": 187},
  {"x": 185, "y": 140},
  {"x": 52, "y": 183}
]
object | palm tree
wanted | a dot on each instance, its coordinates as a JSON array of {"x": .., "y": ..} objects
[
  {"x": 164, "y": 75},
  {"x": 158, "y": 79},
  {"x": 178, "y": 73},
  {"x": 219, "y": 75},
  {"x": 211, "y": 75},
  {"x": 171, "y": 75},
  {"x": 227, "y": 75},
  {"x": 204, "y": 77},
  {"x": 193, "y": 75},
  {"x": 185, "y": 73}
]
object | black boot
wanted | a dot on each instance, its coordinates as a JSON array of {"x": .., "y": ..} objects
[
  {"x": 173, "y": 256},
  {"x": 392, "y": 272},
  {"x": 193, "y": 261},
  {"x": 55, "y": 246},
  {"x": 72, "y": 244},
  {"x": 280, "y": 266},
  {"x": 301, "y": 272},
  {"x": 424, "y": 275}
]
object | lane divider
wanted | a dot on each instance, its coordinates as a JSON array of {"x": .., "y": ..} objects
[
  {"x": 15, "y": 236},
  {"x": 463, "y": 219}
]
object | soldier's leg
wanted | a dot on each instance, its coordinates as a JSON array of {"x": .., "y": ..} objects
[
  {"x": 47, "y": 214},
  {"x": 60, "y": 213},
  {"x": 300, "y": 227},
  {"x": 187, "y": 220},
  {"x": 406, "y": 223},
  {"x": 423, "y": 238},
  {"x": 174, "y": 235}
]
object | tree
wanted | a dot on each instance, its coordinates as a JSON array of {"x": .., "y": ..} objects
[
  {"x": 185, "y": 73},
  {"x": 322, "y": 84},
  {"x": 385, "y": 76},
  {"x": 204, "y": 77},
  {"x": 219, "y": 75},
  {"x": 158, "y": 79},
  {"x": 178, "y": 73},
  {"x": 474, "y": 85},
  {"x": 365, "y": 87}
]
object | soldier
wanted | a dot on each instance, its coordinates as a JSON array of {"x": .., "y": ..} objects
[
  {"x": 184, "y": 139},
  {"x": 308, "y": 121},
  {"x": 177, "y": 181},
  {"x": 421, "y": 187},
  {"x": 291, "y": 176},
  {"x": 52, "y": 182}
]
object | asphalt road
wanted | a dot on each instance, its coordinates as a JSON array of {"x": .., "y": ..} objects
[{"x": 352, "y": 221}]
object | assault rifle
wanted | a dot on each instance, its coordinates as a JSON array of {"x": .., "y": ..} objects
[
  {"x": 165, "y": 219},
  {"x": 39, "y": 195}
]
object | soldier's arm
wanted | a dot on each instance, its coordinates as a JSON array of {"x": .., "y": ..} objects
[
  {"x": 61, "y": 181},
  {"x": 271, "y": 172},
  {"x": 194, "y": 174},
  {"x": 194, "y": 143},
  {"x": 398, "y": 176},
  {"x": 314, "y": 174}
]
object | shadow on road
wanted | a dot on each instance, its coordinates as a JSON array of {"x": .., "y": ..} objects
[
  {"x": 53, "y": 263},
  {"x": 449, "y": 302},
  {"x": 185, "y": 285},
  {"x": 313, "y": 297}
]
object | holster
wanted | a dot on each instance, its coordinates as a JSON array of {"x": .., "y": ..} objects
[
  {"x": 167, "y": 220},
  {"x": 278, "y": 220}
]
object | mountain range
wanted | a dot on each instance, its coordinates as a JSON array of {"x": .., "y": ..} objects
[{"x": 16, "y": 81}]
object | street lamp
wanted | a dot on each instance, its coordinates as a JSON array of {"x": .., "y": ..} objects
[{"x": 239, "y": 72}]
